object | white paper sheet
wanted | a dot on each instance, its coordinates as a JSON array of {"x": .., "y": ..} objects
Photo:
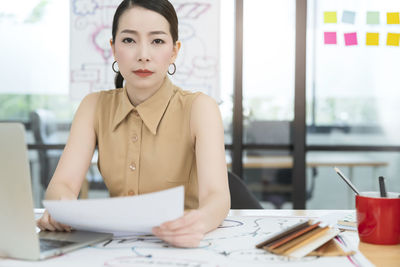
[
  {"x": 119, "y": 215},
  {"x": 233, "y": 244}
]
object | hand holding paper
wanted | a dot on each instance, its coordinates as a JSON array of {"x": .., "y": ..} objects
[
  {"x": 186, "y": 231},
  {"x": 120, "y": 215}
]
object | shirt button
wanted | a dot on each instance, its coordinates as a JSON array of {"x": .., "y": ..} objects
[
  {"x": 130, "y": 193},
  {"x": 134, "y": 138},
  {"x": 132, "y": 166}
]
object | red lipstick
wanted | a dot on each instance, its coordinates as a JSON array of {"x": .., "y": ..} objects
[{"x": 143, "y": 72}]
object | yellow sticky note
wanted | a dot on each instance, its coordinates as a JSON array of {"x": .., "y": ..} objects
[
  {"x": 372, "y": 38},
  {"x": 393, "y": 18},
  {"x": 393, "y": 39},
  {"x": 330, "y": 17}
]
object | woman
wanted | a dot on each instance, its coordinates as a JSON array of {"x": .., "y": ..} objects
[{"x": 151, "y": 135}]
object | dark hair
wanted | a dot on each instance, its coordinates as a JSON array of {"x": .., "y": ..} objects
[{"x": 162, "y": 7}]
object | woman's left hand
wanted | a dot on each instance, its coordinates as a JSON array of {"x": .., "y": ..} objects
[{"x": 186, "y": 231}]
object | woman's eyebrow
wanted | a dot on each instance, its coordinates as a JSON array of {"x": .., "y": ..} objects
[
  {"x": 129, "y": 31},
  {"x": 136, "y": 32},
  {"x": 157, "y": 32}
]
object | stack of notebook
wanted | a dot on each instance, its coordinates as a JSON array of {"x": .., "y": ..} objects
[
  {"x": 349, "y": 222},
  {"x": 305, "y": 238}
]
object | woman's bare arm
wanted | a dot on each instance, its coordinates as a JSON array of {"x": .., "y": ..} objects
[
  {"x": 214, "y": 197},
  {"x": 75, "y": 159}
]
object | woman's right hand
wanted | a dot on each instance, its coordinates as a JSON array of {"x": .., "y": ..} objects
[{"x": 46, "y": 223}]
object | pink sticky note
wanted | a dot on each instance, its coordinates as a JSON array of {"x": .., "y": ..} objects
[
  {"x": 350, "y": 38},
  {"x": 330, "y": 37}
]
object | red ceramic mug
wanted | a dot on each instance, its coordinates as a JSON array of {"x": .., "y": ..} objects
[{"x": 378, "y": 219}]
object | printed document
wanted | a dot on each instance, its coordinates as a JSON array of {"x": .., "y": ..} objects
[{"x": 119, "y": 215}]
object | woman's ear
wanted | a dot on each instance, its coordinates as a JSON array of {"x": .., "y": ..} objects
[
  {"x": 112, "y": 47},
  {"x": 175, "y": 51}
]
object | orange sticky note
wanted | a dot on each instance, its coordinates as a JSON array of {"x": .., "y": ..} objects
[
  {"x": 330, "y": 17},
  {"x": 393, "y": 39},
  {"x": 393, "y": 18},
  {"x": 372, "y": 38}
]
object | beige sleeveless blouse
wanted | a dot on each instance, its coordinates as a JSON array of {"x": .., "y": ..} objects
[{"x": 147, "y": 148}]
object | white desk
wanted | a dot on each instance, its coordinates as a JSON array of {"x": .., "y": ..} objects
[{"x": 231, "y": 245}]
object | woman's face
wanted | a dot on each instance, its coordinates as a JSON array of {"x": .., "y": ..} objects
[{"x": 143, "y": 48}]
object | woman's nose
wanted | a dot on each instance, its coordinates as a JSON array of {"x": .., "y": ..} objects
[{"x": 143, "y": 53}]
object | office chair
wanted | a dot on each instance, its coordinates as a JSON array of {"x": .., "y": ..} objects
[
  {"x": 273, "y": 132},
  {"x": 241, "y": 197},
  {"x": 44, "y": 128}
]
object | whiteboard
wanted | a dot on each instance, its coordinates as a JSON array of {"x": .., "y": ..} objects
[{"x": 91, "y": 56}]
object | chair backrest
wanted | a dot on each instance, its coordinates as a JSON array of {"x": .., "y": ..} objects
[
  {"x": 241, "y": 196},
  {"x": 44, "y": 128},
  {"x": 43, "y": 125},
  {"x": 268, "y": 132}
]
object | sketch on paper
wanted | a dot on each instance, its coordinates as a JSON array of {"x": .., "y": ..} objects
[
  {"x": 232, "y": 244},
  {"x": 91, "y": 56}
]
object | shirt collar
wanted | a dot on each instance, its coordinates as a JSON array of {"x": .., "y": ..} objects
[{"x": 150, "y": 111}]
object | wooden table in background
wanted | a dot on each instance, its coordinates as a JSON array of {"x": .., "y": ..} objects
[{"x": 318, "y": 160}]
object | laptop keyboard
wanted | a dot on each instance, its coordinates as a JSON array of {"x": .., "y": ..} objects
[{"x": 48, "y": 244}]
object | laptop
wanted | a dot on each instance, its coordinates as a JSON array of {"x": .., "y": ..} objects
[{"x": 19, "y": 238}]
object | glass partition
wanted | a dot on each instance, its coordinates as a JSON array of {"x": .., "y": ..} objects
[{"x": 352, "y": 80}]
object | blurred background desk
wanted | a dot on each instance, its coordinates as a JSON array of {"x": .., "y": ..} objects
[
  {"x": 256, "y": 166},
  {"x": 324, "y": 161}
]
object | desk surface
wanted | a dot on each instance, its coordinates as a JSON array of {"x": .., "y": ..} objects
[
  {"x": 378, "y": 254},
  {"x": 226, "y": 246}
]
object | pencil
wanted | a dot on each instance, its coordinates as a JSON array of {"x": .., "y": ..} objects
[
  {"x": 382, "y": 187},
  {"x": 285, "y": 232},
  {"x": 346, "y": 180}
]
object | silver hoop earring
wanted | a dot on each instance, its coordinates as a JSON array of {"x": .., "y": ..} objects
[
  {"x": 113, "y": 67},
  {"x": 172, "y": 73}
]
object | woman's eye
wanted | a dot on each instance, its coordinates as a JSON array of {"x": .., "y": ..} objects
[
  {"x": 158, "y": 41},
  {"x": 128, "y": 40}
]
